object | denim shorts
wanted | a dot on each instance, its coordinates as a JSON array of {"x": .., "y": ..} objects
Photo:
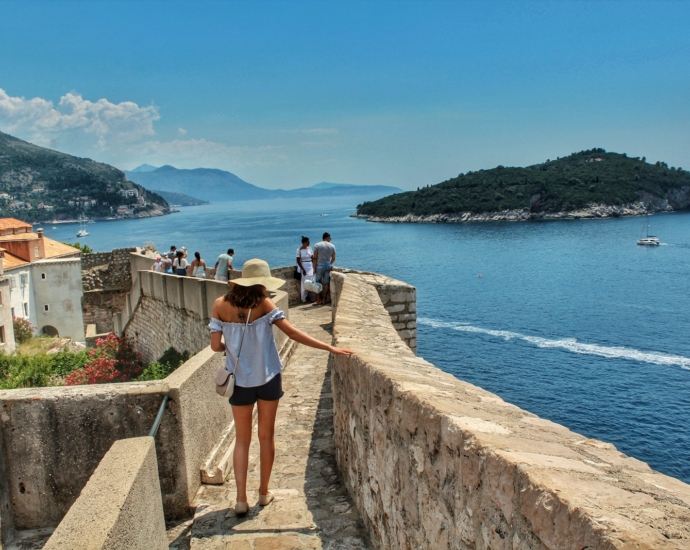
[
  {"x": 323, "y": 273},
  {"x": 270, "y": 391}
]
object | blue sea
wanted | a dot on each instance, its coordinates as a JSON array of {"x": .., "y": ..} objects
[{"x": 570, "y": 320}]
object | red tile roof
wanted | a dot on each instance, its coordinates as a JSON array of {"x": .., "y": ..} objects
[{"x": 11, "y": 223}]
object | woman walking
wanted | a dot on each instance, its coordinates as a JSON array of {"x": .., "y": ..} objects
[
  {"x": 241, "y": 325},
  {"x": 198, "y": 266},
  {"x": 304, "y": 263}
]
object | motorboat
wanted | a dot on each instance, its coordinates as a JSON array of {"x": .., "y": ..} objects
[{"x": 648, "y": 240}]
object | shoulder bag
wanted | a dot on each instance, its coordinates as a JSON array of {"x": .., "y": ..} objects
[{"x": 225, "y": 380}]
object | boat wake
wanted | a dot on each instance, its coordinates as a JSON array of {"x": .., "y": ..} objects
[{"x": 569, "y": 344}]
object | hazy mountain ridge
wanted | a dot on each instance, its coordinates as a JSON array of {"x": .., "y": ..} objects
[
  {"x": 212, "y": 184},
  {"x": 590, "y": 183}
]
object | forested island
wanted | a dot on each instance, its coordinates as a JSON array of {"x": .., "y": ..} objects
[
  {"x": 39, "y": 184},
  {"x": 588, "y": 184}
]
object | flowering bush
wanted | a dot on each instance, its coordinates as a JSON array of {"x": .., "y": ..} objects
[
  {"x": 23, "y": 329},
  {"x": 112, "y": 360}
]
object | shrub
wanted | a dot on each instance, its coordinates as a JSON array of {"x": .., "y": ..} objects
[
  {"x": 167, "y": 363},
  {"x": 112, "y": 360},
  {"x": 23, "y": 329},
  {"x": 38, "y": 370}
]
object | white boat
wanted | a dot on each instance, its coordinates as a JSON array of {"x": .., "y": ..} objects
[
  {"x": 648, "y": 240},
  {"x": 82, "y": 229}
]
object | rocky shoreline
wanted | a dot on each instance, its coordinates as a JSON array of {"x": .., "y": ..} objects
[{"x": 593, "y": 211}]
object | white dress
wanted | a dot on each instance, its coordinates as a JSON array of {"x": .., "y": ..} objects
[{"x": 305, "y": 256}]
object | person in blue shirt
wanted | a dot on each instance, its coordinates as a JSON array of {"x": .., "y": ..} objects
[{"x": 241, "y": 327}]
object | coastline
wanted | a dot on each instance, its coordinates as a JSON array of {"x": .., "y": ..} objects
[
  {"x": 593, "y": 211},
  {"x": 154, "y": 214}
]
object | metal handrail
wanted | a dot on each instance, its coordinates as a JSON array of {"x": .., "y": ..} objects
[{"x": 159, "y": 417}]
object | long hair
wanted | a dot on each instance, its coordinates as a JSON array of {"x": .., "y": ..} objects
[
  {"x": 197, "y": 255},
  {"x": 244, "y": 297}
]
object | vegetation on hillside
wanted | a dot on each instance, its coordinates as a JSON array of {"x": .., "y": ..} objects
[
  {"x": 38, "y": 184},
  {"x": 564, "y": 184}
]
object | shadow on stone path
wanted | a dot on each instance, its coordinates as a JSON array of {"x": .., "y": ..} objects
[{"x": 312, "y": 508}]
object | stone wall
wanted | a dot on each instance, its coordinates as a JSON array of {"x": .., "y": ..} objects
[
  {"x": 106, "y": 279},
  {"x": 109, "y": 270},
  {"x": 72, "y": 428},
  {"x": 434, "y": 462},
  {"x": 398, "y": 298},
  {"x": 120, "y": 507},
  {"x": 99, "y": 307}
]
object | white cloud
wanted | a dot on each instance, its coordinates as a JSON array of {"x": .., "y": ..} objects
[
  {"x": 117, "y": 133},
  {"x": 76, "y": 122}
]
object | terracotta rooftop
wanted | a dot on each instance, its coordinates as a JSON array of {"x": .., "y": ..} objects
[
  {"x": 19, "y": 237},
  {"x": 11, "y": 223},
  {"x": 55, "y": 249},
  {"x": 10, "y": 261}
]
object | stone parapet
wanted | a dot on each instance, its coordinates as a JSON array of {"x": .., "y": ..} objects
[
  {"x": 53, "y": 438},
  {"x": 434, "y": 462},
  {"x": 120, "y": 507},
  {"x": 398, "y": 298}
]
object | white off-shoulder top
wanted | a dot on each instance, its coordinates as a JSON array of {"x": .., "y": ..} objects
[{"x": 259, "y": 359}]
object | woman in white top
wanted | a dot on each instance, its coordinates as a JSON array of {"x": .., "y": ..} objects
[
  {"x": 180, "y": 264},
  {"x": 242, "y": 327},
  {"x": 305, "y": 265},
  {"x": 198, "y": 266}
]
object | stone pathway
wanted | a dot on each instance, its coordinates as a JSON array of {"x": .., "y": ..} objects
[{"x": 312, "y": 508}]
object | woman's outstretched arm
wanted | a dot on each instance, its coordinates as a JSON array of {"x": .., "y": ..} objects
[{"x": 297, "y": 335}]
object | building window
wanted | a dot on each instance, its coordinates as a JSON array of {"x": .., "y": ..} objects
[
  {"x": 12, "y": 312},
  {"x": 46, "y": 308},
  {"x": 2, "y": 334},
  {"x": 43, "y": 276},
  {"x": 26, "y": 309}
]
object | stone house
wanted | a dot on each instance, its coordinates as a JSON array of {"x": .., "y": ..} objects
[
  {"x": 7, "y": 343},
  {"x": 44, "y": 279}
]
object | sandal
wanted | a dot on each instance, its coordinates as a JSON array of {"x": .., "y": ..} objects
[
  {"x": 265, "y": 500},
  {"x": 241, "y": 508}
]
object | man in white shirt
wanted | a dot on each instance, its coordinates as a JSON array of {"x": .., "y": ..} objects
[{"x": 324, "y": 258}]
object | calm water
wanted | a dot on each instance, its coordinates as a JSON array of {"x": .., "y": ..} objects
[{"x": 569, "y": 320}]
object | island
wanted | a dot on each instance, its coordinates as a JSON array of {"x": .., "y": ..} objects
[{"x": 589, "y": 184}]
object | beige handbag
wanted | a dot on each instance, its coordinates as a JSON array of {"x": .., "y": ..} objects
[{"x": 225, "y": 380}]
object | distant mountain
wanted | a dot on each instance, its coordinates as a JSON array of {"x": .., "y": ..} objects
[
  {"x": 39, "y": 184},
  {"x": 588, "y": 184},
  {"x": 179, "y": 199},
  {"x": 328, "y": 185},
  {"x": 143, "y": 168},
  {"x": 215, "y": 185}
]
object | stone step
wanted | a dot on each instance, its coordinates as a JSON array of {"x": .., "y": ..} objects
[{"x": 218, "y": 464}]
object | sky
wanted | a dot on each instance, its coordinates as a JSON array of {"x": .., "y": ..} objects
[{"x": 291, "y": 93}]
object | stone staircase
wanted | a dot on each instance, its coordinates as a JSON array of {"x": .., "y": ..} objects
[{"x": 312, "y": 508}]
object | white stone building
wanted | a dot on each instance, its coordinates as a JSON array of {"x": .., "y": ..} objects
[{"x": 44, "y": 280}]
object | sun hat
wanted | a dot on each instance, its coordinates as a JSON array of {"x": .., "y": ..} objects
[{"x": 257, "y": 272}]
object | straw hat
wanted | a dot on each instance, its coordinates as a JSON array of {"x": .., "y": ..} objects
[{"x": 257, "y": 272}]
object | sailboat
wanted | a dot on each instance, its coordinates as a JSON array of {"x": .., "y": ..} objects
[
  {"x": 82, "y": 229},
  {"x": 648, "y": 240}
]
